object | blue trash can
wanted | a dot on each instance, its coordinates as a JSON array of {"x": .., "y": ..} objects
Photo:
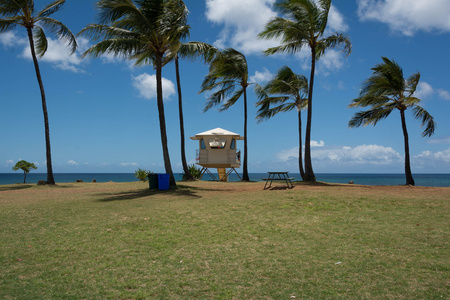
[{"x": 163, "y": 181}]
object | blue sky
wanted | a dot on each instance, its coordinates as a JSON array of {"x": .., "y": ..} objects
[{"x": 103, "y": 114}]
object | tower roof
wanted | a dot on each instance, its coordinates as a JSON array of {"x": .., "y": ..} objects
[{"x": 217, "y": 132}]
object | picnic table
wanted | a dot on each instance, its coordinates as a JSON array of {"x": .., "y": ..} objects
[{"x": 278, "y": 176}]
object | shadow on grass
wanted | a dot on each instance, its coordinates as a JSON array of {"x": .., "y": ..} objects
[
  {"x": 278, "y": 187},
  {"x": 317, "y": 183},
  {"x": 323, "y": 184},
  {"x": 184, "y": 191},
  {"x": 19, "y": 186}
]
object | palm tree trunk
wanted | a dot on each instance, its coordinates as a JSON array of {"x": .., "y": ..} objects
[
  {"x": 245, "y": 176},
  {"x": 50, "y": 177},
  {"x": 187, "y": 173},
  {"x": 309, "y": 173},
  {"x": 409, "y": 178},
  {"x": 300, "y": 156},
  {"x": 162, "y": 120}
]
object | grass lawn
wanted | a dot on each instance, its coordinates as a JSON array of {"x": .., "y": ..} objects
[{"x": 209, "y": 240}]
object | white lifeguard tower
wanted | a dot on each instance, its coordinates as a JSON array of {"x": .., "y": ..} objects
[{"x": 217, "y": 149}]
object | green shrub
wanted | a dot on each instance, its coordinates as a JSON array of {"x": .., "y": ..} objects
[
  {"x": 195, "y": 172},
  {"x": 142, "y": 174}
]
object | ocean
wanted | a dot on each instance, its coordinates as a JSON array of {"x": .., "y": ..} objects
[{"x": 438, "y": 180}]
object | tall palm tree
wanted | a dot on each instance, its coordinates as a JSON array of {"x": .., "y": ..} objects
[
  {"x": 304, "y": 25},
  {"x": 23, "y": 13},
  {"x": 228, "y": 71},
  {"x": 192, "y": 50},
  {"x": 144, "y": 30},
  {"x": 291, "y": 90},
  {"x": 385, "y": 91}
]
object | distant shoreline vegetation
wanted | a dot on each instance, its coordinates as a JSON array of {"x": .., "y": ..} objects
[{"x": 425, "y": 179}]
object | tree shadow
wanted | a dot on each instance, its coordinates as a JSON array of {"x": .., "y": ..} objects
[
  {"x": 179, "y": 191},
  {"x": 18, "y": 186},
  {"x": 273, "y": 188},
  {"x": 319, "y": 183}
]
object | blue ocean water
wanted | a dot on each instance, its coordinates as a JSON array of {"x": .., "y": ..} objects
[{"x": 438, "y": 180}]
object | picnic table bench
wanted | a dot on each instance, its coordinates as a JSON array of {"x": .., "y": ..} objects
[{"x": 278, "y": 176}]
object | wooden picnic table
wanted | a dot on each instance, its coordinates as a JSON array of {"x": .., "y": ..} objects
[{"x": 278, "y": 176}]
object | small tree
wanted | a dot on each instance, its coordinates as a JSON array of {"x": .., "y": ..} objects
[
  {"x": 141, "y": 174},
  {"x": 25, "y": 166},
  {"x": 194, "y": 172}
]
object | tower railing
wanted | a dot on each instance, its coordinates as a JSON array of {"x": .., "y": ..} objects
[{"x": 233, "y": 156}]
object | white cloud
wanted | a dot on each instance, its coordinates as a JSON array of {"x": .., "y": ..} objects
[
  {"x": 292, "y": 153},
  {"x": 9, "y": 162},
  {"x": 10, "y": 39},
  {"x": 128, "y": 164},
  {"x": 59, "y": 55},
  {"x": 442, "y": 140},
  {"x": 332, "y": 61},
  {"x": 336, "y": 21},
  {"x": 359, "y": 155},
  {"x": 243, "y": 21},
  {"x": 317, "y": 144},
  {"x": 146, "y": 85},
  {"x": 72, "y": 163},
  {"x": 433, "y": 157},
  {"x": 261, "y": 77},
  {"x": 288, "y": 154},
  {"x": 444, "y": 94},
  {"x": 57, "y": 52},
  {"x": 423, "y": 90},
  {"x": 406, "y": 16}
]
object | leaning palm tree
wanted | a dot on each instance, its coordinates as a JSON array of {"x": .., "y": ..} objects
[
  {"x": 228, "y": 71},
  {"x": 285, "y": 92},
  {"x": 192, "y": 50},
  {"x": 145, "y": 31},
  {"x": 304, "y": 25},
  {"x": 385, "y": 91},
  {"x": 23, "y": 13}
]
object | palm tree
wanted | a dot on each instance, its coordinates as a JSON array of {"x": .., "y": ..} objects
[
  {"x": 192, "y": 50},
  {"x": 146, "y": 34},
  {"x": 22, "y": 13},
  {"x": 304, "y": 25},
  {"x": 292, "y": 89},
  {"x": 228, "y": 71},
  {"x": 385, "y": 91}
]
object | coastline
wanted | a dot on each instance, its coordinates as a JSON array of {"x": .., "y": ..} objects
[{"x": 432, "y": 180}]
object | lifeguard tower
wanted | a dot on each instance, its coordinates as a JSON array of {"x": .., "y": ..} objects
[{"x": 217, "y": 149}]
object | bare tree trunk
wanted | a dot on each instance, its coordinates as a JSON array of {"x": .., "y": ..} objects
[
  {"x": 300, "y": 156},
  {"x": 24, "y": 176},
  {"x": 50, "y": 177},
  {"x": 245, "y": 176},
  {"x": 409, "y": 178},
  {"x": 309, "y": 173},
  {"x": 187, "y": 173},
  {"x": 162, "y": 120}
]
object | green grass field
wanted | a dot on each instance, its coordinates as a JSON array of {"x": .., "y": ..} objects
[{"x": 209, "y": 240}]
